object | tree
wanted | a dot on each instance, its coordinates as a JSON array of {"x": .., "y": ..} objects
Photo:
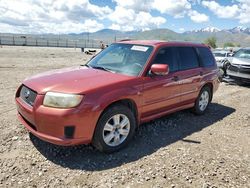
[
  {"x": 211, "y": 42},
  {"x": 229, "y": 44}
]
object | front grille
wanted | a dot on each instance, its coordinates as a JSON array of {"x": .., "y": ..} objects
[
  {"x": 233, "y": 68},
  {"x": 28, "y": 95},
  {"x": 245, "y": 69}
]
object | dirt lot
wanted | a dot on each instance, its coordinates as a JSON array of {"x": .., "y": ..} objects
[{"x": 179, "y": 150}]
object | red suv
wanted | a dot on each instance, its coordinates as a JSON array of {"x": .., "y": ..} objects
[{"x": 128, "y": 83}]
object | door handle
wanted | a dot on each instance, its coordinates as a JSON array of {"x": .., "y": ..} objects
[{"x": 175, "y": 78}]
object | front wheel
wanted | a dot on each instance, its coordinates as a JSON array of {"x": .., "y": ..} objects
[
  {"x": 203, "y": 101},
  {"x": 114, "y": 129}
]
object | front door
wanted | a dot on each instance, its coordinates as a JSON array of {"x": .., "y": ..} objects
[{"x": 161, "y": 93}]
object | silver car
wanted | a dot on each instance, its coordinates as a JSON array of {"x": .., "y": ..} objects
[{"x": 239, "y": 68}]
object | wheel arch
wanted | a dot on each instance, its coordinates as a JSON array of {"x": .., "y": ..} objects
[
  {"x": 130, "y": 103},
  {"x": 211, "y": 87}
]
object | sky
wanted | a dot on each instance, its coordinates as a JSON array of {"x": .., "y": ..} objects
[{"x": 76, "y": 16}]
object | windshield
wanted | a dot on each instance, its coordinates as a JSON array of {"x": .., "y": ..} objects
[
  {"x": 128, "y": 59},
  {"x": 243, "y": 53},
  {"x": 219, "y": 54}
]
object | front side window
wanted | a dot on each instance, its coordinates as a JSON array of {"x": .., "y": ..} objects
[
  {"x": 128, "y": 59},
  {"x": 167, "y": 56},
  {"x": 188, "y": 58}
]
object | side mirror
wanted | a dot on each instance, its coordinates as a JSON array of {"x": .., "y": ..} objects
[{"x": 159, "y": 69}]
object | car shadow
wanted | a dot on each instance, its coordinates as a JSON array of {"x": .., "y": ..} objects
[
  {"x": 149, "y": 138},
  {"x": 235, "y": 83}
]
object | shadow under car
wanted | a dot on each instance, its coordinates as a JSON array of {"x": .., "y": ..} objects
[{"x": 149, "y": 138}]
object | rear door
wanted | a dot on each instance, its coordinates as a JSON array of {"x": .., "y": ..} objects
[{"x": 190, "y": 74}]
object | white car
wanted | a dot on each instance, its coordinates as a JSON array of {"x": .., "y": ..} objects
[{"x": 220, "y": 56}]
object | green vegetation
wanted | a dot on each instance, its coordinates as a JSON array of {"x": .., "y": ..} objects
[
  {"x": 211, "y": 41},
  {"x": 229, "y": 44}
]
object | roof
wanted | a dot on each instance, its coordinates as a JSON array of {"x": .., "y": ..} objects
[{"x": 161, "y": 42}]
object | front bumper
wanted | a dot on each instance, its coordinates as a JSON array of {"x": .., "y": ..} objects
[
  {"x": 242, "y": 77},
  {"x": 49, "y": 124},
  {"x": 51, "y": 139}
]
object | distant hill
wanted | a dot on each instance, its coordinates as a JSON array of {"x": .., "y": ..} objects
[
  {"x": 237, "y": 35},
  {"x": 107, "y": 34}
]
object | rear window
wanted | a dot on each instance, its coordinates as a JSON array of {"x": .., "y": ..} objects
[
  {"x": 206, "y": 56},
  {"x": 188, "y": 58}
]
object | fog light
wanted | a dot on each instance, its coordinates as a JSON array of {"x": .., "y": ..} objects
[{"x": 69, "y": 131}]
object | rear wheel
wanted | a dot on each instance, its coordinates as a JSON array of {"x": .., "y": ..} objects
[
  {"x": 203, "y": 101},
  {"x": 114, "y": 129}
]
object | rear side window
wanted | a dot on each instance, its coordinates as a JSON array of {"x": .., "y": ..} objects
[
  {"x": 167, "y": 56},
  {"x": 188, "y": 58},
  {"x": 206, "y": 56}
]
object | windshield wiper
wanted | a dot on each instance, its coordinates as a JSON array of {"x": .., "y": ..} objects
[
  {"x": 102, "y": 68},
  {"x": 86, "y": 65}
]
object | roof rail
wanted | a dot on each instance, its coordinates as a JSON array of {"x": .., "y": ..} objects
[{"x": 125, "y": 40}]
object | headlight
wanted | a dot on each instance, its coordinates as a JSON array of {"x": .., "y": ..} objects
[{"x": 61, "y": 100}]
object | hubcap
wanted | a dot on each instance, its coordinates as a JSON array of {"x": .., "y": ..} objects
[
  {"x": 116, "y": 130},
  {"x": 204, "y": 100}
]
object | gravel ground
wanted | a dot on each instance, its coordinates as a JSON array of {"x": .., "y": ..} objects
[{"x": 179, "y": 150}]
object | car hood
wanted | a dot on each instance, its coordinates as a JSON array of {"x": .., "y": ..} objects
[
  {"x": 73, "y": 80},
  {"x": 240, "y": 61}
]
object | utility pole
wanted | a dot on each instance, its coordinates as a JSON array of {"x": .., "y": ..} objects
[{"x": 88, "y": 35}]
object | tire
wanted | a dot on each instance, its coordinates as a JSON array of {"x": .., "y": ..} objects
[
  {"x": 203, "y": 100},
  {"x": 111, "y": 136}
]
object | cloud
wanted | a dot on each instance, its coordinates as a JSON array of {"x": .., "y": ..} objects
[
  {"x": 221, "y": 11},
  {"x": 179, "y": 9},
  {"x": 58, "y": 16},
  {"x": 137, "y": 5},
  {"x": 198, "y": 17},
  {"x": 175, "y": 8},
  {"x": 240, "y": 11},
  {"x": 13, "y": 21},
  {"x": 136, "y": 14},
  {"x": 128, "y": 19},
  {"x": 244, "y": 15}
]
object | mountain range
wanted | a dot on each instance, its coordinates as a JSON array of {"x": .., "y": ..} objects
[
  {"x": 237, "y": 35},
  {"x": 234, "y": 30}
]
